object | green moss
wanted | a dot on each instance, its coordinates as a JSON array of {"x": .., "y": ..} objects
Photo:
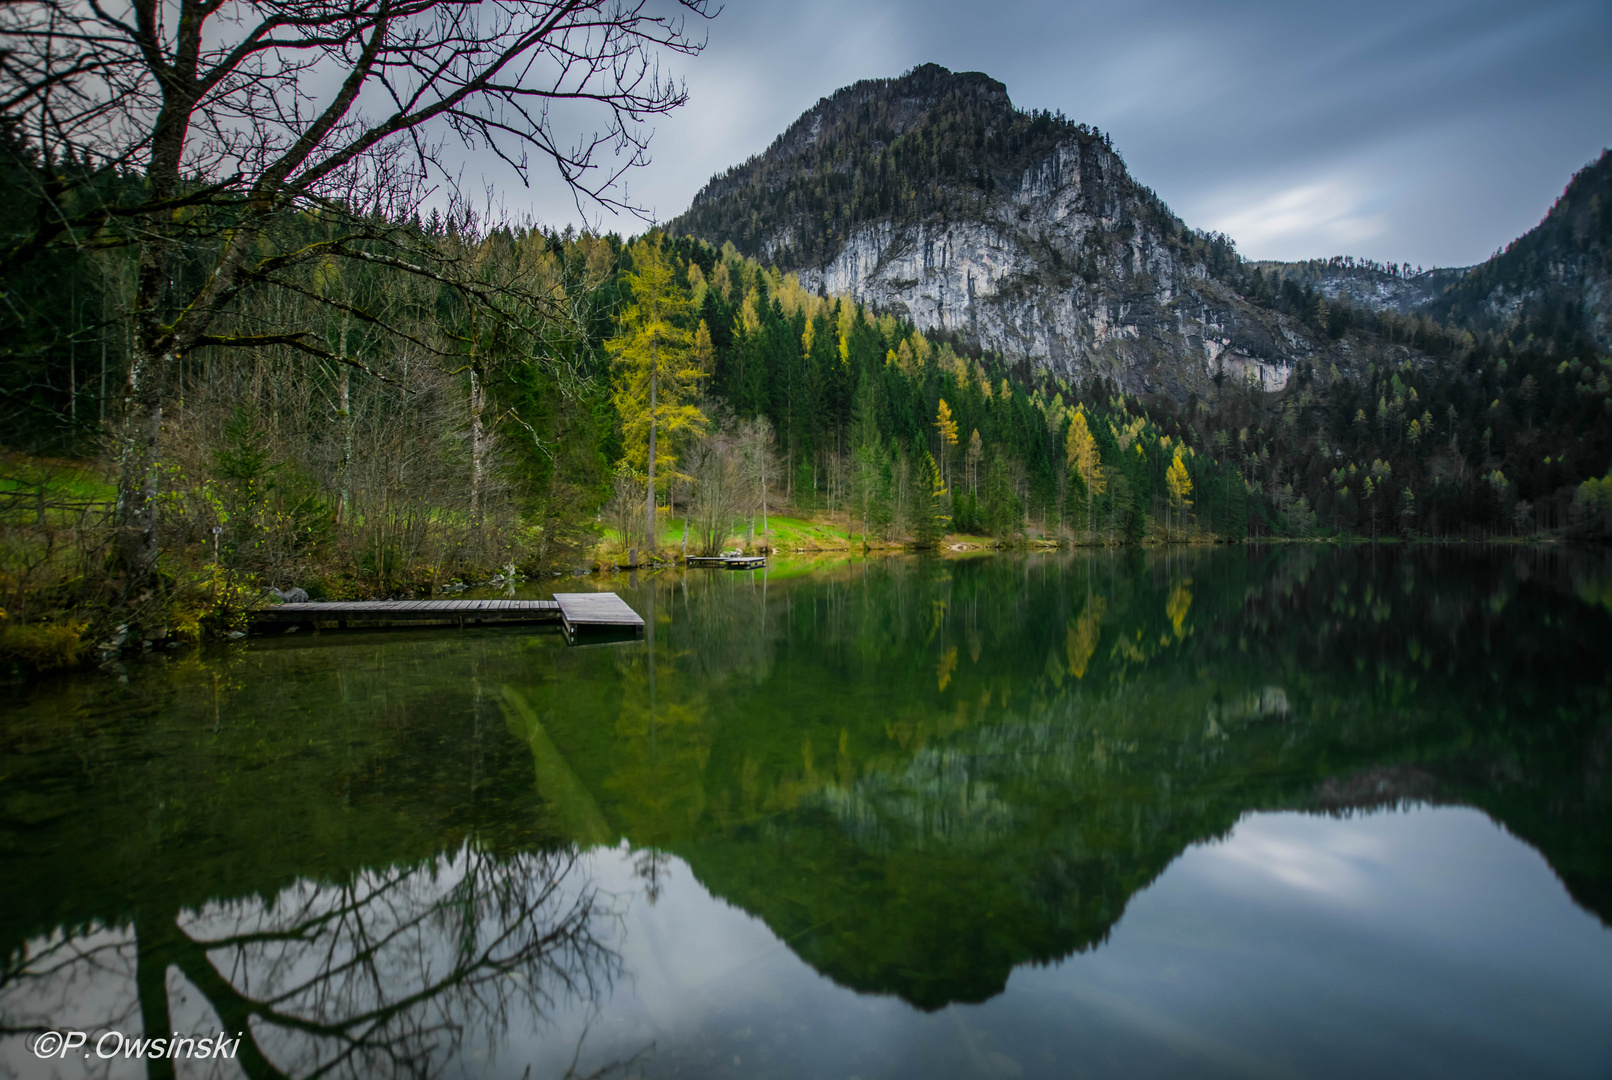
[{"x": 47, "y": 646}]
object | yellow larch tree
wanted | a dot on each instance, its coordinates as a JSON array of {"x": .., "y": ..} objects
[
  {"x": 1081, "y": 450},
  {"x": 947, "y": 428},
  {"x": 905, "y": 359},
  {"x": 748, "y": 320},
  {"x": 722, "y": 279},
  {"x": 846, "y": 322},
  {"x": 656, "y": 369},
  {"x": 1178, "y": 482},
  {"x": 921, "y": 351},
  {"x": 697, "y": 286},
  {"x": 704, "y": 356}
]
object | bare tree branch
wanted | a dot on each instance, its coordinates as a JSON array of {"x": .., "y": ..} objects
[{"x": 192, "y": 130}]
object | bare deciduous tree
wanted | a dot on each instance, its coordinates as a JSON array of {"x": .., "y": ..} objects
[
  {"x": 234, "y": 114},
  {"x": 718, "y": 492},
  {"x": 398, "y": 971},
  {"x": 755, "y": 440}
]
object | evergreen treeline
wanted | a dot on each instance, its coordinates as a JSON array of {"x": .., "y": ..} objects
[
  {"x": 910, "y": 436},
  {"x": 1450, "y": 431},
  {"x": 417, "y": 438},
  {"x": 1464, "y": 435}
]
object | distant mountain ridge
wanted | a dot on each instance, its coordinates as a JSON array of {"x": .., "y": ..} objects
[
  {"x": 1367, "y": 284},
  {"x": 932, "y": 196},
  {"x": 1555, "y": 277}
]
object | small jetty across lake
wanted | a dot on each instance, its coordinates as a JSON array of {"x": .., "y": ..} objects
[
  {"x": 729, "y": 562},
  {"x": 577, "y": 613}
]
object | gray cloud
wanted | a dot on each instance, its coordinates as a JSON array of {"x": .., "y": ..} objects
[{"x": 1429, "y": 132}]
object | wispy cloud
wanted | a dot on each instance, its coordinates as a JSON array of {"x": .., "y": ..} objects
[
  {"x": 1340, "y": 862},
  {"x": 1324, "y": 216},
  {"x": 1432, "y": 133}
]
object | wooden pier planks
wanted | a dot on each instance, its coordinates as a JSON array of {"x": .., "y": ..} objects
[
  {"x": 729, "y": 562},
  {"x": 387, "y": 611},
  {"x": 576, "y": 612},
  {"x": 596, "y": 611}
]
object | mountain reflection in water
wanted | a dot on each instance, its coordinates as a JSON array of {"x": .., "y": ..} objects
[{"x": 916, "y": 776}]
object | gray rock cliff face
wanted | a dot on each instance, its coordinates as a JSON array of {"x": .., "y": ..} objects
[
  {"x": 1575, "y": 279},
  {"x": 930, "y": 196},
  {"x": 1059, "y": 270}
]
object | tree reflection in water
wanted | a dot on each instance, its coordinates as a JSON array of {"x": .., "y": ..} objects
[{"x": 396, "y": 972}]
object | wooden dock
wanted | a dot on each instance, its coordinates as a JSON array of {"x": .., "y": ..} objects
[
  {"x": 344, "y": 613},
  {"x": 729, "y": 562},
  {"x": 597, "y": 611},
  {"x": 575, "y": 612}
]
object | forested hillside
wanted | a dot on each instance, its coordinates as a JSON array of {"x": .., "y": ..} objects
[
  {"x": 471, "y": 398},
  {"x": 1352, "y": 398},
  {"x": 1464, "y": 436}
]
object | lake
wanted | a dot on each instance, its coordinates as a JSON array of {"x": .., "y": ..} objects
[{"x": 1298, "y": 811}]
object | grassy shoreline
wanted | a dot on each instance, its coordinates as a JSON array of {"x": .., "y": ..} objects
[{"x": 61, "y": 609}]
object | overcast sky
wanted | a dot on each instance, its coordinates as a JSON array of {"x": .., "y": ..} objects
[{"x": 1423, "y": 132}]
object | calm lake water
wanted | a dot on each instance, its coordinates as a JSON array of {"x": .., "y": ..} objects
[{"x": 1273, "y": 813}]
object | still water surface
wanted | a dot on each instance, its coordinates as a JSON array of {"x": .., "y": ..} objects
[{"x": 1268, "y": 813}]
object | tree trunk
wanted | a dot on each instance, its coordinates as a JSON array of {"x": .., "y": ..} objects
[
  {"x": 345, "y": 473},
  {"x": 72, "y": 359},
  {"x": 649, "y": 499},
  {"x": 478, "y": 448},
  {"x": 105, "y": 289},
  {"x": 152, "y": 935},
  {"x": 135, "y": 514}
]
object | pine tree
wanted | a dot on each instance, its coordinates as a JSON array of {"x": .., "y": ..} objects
[{"x": 933, "y": 516}]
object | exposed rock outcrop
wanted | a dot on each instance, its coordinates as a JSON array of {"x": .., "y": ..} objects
[
  {"x": 932, "y": 197},
  {"x": 1021, "y": 233},
  {"x": 1368, "y": 284},
  {"x": 1059, "y": 270}
]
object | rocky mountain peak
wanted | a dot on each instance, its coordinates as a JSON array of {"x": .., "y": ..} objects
[
  {"x": 930, "y": 143},
  {"x": 932, "y": 197},
  {"x": 876, "y": 110}
]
